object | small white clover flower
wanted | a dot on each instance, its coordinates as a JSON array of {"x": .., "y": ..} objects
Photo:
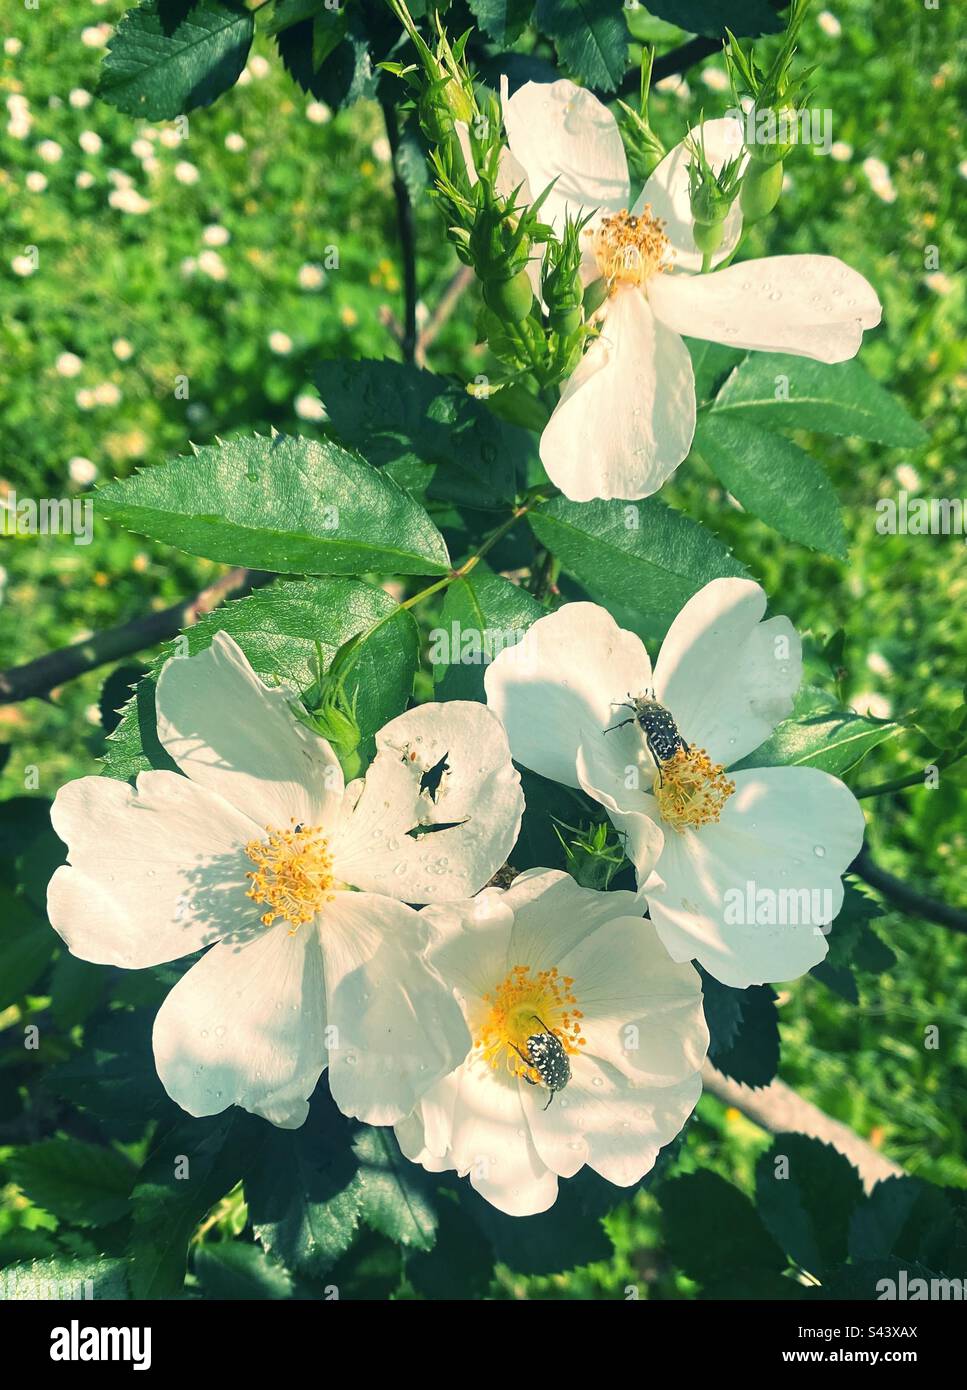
[
  {"x": 297, "y": 883},
  {"x": 79, "y": 98},
  {"x": 311, "y": 276},
  {"x": 35, "y": 182},
  {"x": 318, "y": 113},
  {"x": 258, "y": 66},
  {"x": 12, "y": 47},
  {"x": 129, "y": 200},
  {"x": 309, "y": 407},
  {"x": 142, "y": 148},
  {"x": 90, "y": 142},
  {"x": 186, "y": 172},
  {"x": 209, "y": 263},
  {"x": 68, "y": 364},
  {"x": 49, "y": 151},
  {"x": 123, "y": 349},
  {"x": 96, "y": 35},
  {"x": 107, "y": 393},
  {"x": 216, "y": 235},
  {"x": 81, "y": 470},
  {"x": 697, "y": 834},
  {"x": 626, "y": 417},
  {"x": 841, "y": 151},
  {"x": 22, "y": 266},
  {"x": 169, "y": 137},
  {"x": 84, "y": 179},
  {"x": 544, "y": 971},
  {"x": 18, "y": 127},
  {"x": 829, "y": 24},
  {"x": 234, "y": 142},
  {"x": 280, "y": 343}
]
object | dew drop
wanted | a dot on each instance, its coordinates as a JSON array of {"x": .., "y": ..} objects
[{"x": 819, "y": 851}]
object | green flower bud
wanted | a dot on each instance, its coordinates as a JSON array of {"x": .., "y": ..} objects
[
  {"x": 511, "y": 299},
  {"x": 760, "y": 189},
  {"x": 708, "y": 236}
]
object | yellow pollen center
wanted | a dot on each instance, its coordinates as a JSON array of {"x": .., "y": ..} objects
[
  {"x": 524, "y": 1004},
  {"x": 691, "y": 790},
  {"x": 630, "y": 248},
  {"x": 293, "y": 873}
]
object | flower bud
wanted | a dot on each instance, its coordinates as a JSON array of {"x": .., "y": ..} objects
[
  {"x": 760, "y": 189},
  {"x": 511, "y": 299}
]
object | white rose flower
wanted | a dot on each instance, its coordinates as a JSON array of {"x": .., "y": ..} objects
[
  {"x": 626, "y": 417},
  {"x": 700, "y": 837},
  {"x": 578, "y": 982},
  {"x": 296, "y": 882}
]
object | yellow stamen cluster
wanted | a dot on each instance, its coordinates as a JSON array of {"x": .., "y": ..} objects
[
  {"x": 293, "y": 873},
  {"x": 513, "y": 1011},
  {"x": 630, "y": 248},
  {"x": 691, "y": 790}
]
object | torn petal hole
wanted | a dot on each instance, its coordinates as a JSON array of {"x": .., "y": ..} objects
[{"x": 419, "y": 831}]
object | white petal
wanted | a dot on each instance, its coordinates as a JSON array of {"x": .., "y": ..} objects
[
  {"x": 633, "y": 811},
  {"x": 811, "y": 306},
  {"x": 491, "y": 1143},
  {"x": 642, "y": 1011},
  {"x": 667, "y": 191},
  {"x": 626, "y": 418},
  {"x": 791, "y": 831},
  {"x": 553, "y": 914},
  {"x": 155, "y": 872},
  {"x": 558, "y": 131},
  {"x": 618, "y": 1127},
  {"x": 233, "y": 734},
  {"x": 246, "y": 1026},
  {"x": 478, "y": 797},
  {"x": 470, "y": 942},
  {"x": 557, "y": 685},
  {"x": 727, "y": 677},
  {"x": 396, "y": 1028}
]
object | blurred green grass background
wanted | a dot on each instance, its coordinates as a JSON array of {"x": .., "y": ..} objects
[{"x": 222, "y": 271}]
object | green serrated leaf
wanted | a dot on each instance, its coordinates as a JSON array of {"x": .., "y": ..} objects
[
  {"x": 744, "y": 1029},
  {"x": 394, "y": 1194},
  {"x": 284, "y": 504},
  {"x": 233, "y": 1270},
  {"x": 425, "y": 431},
  {"x": 346, "y": 74},
  {"x": 282, "y": 630},
  {"x": 482, "y": 614},
  {"x": 832, "y": 399},
  {"x": 159, "y": 67},
  {"x": 302, "y": 1194},
  {"x": 639, "y": 554},
  {"x": 62, "y": 1278},
  {"x": 591, "y": 38},
  {"x": 502, "y": 20},
  {"x": 711, "y": 1226},
  {"x": 819, "y": 736},
  {"x": 712, "y": 17},
  {"x": 775, "y": 480},
  {"x": 27, "y": 946},
  {"x": 806, "y": 1193},
  {"x": 193, "y": 1164},
  {"x": 87, "y": 1184}
]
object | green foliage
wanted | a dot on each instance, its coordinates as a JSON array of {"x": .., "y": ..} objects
[
  {"x": 417, "y": 469},
  {"x": 167, "y": 59},
  {"x": 775, "y": 480},
  {"x": 639, "y": 554},
  {"x": 285, "y": 631},
  {"x": 293, "y": 506}
]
